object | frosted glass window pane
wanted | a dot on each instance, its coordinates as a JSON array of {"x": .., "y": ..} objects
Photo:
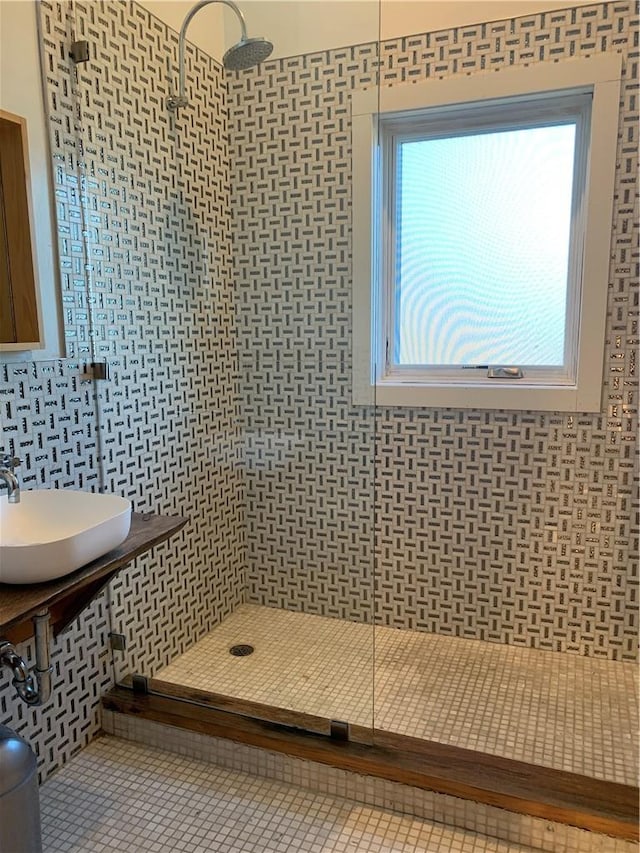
[{"x": 482, "y": 247}]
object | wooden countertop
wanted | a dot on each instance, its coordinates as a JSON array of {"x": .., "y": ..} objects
[{"x": 65, "y": 597}]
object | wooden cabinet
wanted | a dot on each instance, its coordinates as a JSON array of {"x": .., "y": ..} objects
[{"x": 20, "y": 326}]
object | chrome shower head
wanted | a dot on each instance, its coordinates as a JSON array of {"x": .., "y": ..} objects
[{"x": 246, "y": 54}]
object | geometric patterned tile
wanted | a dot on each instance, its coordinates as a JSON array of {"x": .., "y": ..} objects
[
  {"x": 512, "y": 527},
  {"x": 207, "y": 257}
]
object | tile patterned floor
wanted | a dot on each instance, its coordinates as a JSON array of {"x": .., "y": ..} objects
[
  {"x": 557, "y": 710},
  {"x": 116, "y": 795}
]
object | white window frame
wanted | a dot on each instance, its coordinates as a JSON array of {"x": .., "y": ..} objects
[
  {"x": 578, "y": 389},
  {"x": 488, "y": 116}
]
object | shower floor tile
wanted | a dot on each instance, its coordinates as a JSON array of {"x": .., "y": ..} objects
[
  {"x": 116, "y": 795},
  {"x": 552, "y": 709}
]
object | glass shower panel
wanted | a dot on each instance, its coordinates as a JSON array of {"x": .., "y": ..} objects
[
  {"x": 158, "y": 200},
  {"x": 220, "y": 240},
  {"x": 308, "y": 451},
  {"x": 493, "y": 575},
  {"x": 71, "y": 394}
]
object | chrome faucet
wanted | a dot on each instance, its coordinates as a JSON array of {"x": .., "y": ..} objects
[{"x": 8, "y": 464}]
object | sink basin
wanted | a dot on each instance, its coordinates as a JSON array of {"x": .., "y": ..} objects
[{"x": 53, "y": 532}]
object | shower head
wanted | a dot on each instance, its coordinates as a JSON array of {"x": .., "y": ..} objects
[{"x": 247, "y": 53}]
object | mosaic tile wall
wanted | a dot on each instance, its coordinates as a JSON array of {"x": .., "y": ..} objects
[
  {"x": 143, "y": 208},
  {"x": 48, "y": 417},
  {"x": 511, "y": 527},
  {"x": 143, "y": 204}
]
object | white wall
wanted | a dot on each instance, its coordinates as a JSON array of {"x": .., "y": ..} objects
[
  {"x": 312, "y": 25},
  {"x": 404, "y": 17},
  {"x": 207, "y": 28},
  {"x": 305, "y": 26},
  {"x": 21, "y": 93}
]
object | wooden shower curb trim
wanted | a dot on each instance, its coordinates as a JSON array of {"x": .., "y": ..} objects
[{"x": 568, "y": 798}]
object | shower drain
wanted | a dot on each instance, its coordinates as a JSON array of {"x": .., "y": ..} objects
[{"x": 242, "y": 650}]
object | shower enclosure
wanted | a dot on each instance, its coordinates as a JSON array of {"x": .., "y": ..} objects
[
  {"x": 454, "y": 577},
  {"x": 205, "y": 256}
]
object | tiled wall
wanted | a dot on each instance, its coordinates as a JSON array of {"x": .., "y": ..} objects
[
  {"x": 309, "y": 452},
  {"x": 511, "y": 527},
  {"x": 47, "y": 411},
  {"x": 143, "y": 209}
]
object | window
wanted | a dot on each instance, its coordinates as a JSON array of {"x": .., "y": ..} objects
[
  {"x": 481, "y": 238},
  {"x": 477, "y": 259}
]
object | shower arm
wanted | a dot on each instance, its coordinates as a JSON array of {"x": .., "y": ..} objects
[{"x": 180, "y": 100}]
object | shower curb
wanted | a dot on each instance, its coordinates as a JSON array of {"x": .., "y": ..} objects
[{"x": 571, "y": 817}]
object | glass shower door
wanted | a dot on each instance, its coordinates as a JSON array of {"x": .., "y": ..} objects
[{"x": 221, "y": 263}]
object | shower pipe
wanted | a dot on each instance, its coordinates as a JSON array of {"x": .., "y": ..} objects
[{"x": 245, "y": 54}]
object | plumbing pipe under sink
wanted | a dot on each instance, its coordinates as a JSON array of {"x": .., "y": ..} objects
[{"x": 33, "y": 687}]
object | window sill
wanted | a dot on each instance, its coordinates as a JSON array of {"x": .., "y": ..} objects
[{"x": 507, "y": 395}]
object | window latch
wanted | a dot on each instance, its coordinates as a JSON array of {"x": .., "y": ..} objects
[{"x": 505, "y": 373}]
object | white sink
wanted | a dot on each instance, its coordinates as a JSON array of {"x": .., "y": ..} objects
[{"x": 53, "y": 532}]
